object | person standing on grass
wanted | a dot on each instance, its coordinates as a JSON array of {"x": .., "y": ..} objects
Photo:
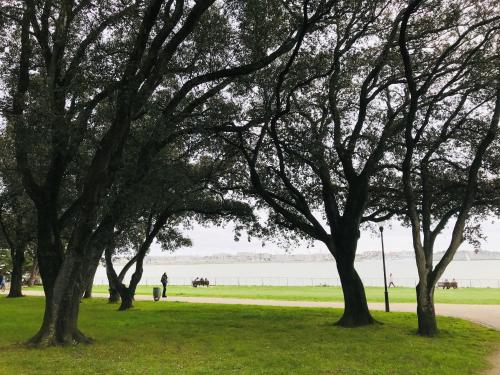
[
  {"x": 2, "y": 282},
  {"x": 391, "y": 281},
  {"x": 164, "y": 282}
]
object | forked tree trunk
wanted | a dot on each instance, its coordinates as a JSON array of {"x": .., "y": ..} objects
[
  {"x": 60, "y": 321},
  {"x": 127, "y": 297},
  {"x": 356, "y": 312},
  {"x": 16, "y": 279},
  {"x": 427, "y": 325},
  {"x": 113, "y": 279},
  {"x": 127, "y": 294}
]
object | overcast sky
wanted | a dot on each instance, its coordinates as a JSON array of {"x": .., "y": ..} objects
[{"x": 208, "y": 241}]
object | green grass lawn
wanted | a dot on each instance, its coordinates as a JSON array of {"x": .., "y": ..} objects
[
  {"x": 181, "y": 338},
  {"x": 318, "y": 293}
]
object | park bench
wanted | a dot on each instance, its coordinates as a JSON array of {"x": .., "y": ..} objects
[
  {"x": 447, "y": 284},
  {"x": 200, "y": 282}
]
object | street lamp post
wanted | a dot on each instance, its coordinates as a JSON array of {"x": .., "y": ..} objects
[{"x": 386, "y": 293}]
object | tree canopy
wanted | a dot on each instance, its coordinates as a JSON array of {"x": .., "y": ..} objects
[{"x": 127, "y": 118}]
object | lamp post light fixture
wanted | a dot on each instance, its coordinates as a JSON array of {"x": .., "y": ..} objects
[{"x": 386, "y": 293}]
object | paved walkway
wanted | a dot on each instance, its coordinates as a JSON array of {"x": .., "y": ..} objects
[{"x": 487, "y": 315}]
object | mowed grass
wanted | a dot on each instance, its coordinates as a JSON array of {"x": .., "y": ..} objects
[
  {"x": 483, "y": 296},
  {"x": 181, "y": 338}
]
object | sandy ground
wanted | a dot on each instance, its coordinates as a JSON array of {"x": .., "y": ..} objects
[{"x": 487, "y": 315}]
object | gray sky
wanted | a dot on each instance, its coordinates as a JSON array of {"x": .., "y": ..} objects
[{"x": 208, "y": 241}]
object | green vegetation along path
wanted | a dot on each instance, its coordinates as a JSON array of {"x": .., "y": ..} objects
[
  {"x": 474, "y": 296},
  {"x": 488, "y": 315}
]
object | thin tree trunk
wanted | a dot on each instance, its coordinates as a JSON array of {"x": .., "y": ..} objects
[
  {"x": 114, "y": 283},
  {"x": 33, "y": 272},
  {"x": 90, "y": 283},
  {"x": 427, "y": 325},
  {"x": 113, "y": 279},
  {"x": 16, "y": 280}
]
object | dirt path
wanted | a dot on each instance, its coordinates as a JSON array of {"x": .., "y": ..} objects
[
  {"x": 487, "y": 315},
  {"x": 494, "y": 362}
]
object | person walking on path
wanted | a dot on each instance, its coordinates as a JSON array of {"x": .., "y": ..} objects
[
  {"x": 164, "y": 282},
  {"x": 2, "y": 283},
  {"x": 391, "y": 281}
]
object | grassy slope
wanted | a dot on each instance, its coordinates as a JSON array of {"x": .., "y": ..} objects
[
  {"x": 177, "y": 338},
  {"x": 318, "y": 293}
]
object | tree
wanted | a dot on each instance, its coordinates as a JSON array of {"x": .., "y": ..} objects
[
  {"x": 17, "y": 219},
  {"x": 450, "y": 60},
  {"x": 77, "y": 64},
  {"x": 17, "y": 233},
  {"x": 194, "y": 192},
  {"x": 317, "y": 135}
]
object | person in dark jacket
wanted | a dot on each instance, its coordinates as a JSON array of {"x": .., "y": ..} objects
[{"x": 164, "y": 282}]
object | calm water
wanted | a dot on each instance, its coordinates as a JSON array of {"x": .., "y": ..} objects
[{"x": 474, "y": 273}]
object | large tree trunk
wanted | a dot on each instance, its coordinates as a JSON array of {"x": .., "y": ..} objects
[
  {"x": 63, "y": 278},
  {"x": 62, "y": 303},
  {"x": 426, "y": 314},
  {"x": 356, "y": 312},
  {"x": 16, "y": 280}
]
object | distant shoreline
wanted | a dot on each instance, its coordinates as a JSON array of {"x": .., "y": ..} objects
[{"x": 265, "y": 258}]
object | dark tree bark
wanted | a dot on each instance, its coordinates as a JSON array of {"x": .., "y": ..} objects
[
  {"x": 356, "y": 312},
  {"x": 89, "y": 284},
  {"x": 115, "y": 280},
  {"x": 127, "y": 293},
  {"x": 127, "y": 297},
  {"x": 427, "y": 325},
  {"x": 17, "y": 242},
  {"x": 114, "y": 296},
  {"x": 64, "y": 282},
  {"x": 62, "y": 302},
  {"x": 16, "y": 280}
]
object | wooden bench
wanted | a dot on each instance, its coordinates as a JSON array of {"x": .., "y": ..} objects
[{"x": 447, "y": 284}]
